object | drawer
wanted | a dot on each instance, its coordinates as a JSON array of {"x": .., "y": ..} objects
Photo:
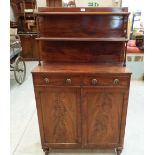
[
  {"x": 106, "y": 80},
  {"x": 53, "y": 80},
  {"x": 70, "y": 80}
]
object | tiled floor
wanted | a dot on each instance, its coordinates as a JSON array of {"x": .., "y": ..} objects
[{"x": 25, "y": 139}]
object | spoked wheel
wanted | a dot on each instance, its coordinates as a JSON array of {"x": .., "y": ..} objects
[{"x": 19, "y": 70}]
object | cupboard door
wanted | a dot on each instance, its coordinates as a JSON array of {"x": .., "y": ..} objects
[
  {"x": 102, "y": 112},
  {"x": 59, "y": 116}
]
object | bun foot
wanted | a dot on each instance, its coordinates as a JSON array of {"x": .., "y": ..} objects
[
  {"x": 46, "y": 150},
  {"x": 118, "y": 151}
]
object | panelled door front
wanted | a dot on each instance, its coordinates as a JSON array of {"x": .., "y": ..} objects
[
  {"x": 60, "y": 116},
  {"x": 102, "y": 110}
]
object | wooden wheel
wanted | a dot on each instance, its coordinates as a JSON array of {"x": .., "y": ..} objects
[{"x": 19, "y": 70}]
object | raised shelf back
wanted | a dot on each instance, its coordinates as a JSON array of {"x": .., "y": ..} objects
[
  {"x": 95, "y": 52},
  {"x": 99, "y": 22},
  {"x": 96, "y": 35}
]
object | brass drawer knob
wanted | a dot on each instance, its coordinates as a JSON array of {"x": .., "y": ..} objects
[
  {"x": 116, "y": 82},
  {"x": 46, "y": 81},
  {"x": 94, "y": 81},
  {"x": 68, "y": 81}
]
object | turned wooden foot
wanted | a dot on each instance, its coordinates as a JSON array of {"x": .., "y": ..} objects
[
  {"x": 119, "y": 151},
  {"x": 46, "y": 150}
]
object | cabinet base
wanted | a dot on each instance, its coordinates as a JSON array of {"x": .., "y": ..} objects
[{"x": 118, "y": 151}]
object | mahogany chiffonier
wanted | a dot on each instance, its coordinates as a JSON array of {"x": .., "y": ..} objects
[{"x": 81, "y": 83}]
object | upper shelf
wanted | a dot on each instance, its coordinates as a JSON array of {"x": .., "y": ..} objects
[
  {"x": 82, "y": 11},
  {"x": 123, "y": 39},
  {"x": 99, "y": 24}
]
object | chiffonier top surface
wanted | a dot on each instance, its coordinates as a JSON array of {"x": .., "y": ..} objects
[{"x": 81, "y": 68}]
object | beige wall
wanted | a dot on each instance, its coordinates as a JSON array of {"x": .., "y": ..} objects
[
  {"x": 41, "y": 3},
  {"x": 84, "y": 3},
  {"x": 102, "y": 3},
  {"x": 12, "y": 16}
]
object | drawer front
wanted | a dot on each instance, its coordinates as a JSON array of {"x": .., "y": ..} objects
[
  {"x": 56, "y": 80},
  {"x": 70, "y": 80},
  {"x": 106, "y": 80}
]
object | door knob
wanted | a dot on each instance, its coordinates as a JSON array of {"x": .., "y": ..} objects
[
  {"x": 68, "y": 81},
  {"x": 94, "y": 81},
  {"x": 116, "y": 82},
  {"x": 46, "y": 81}
]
